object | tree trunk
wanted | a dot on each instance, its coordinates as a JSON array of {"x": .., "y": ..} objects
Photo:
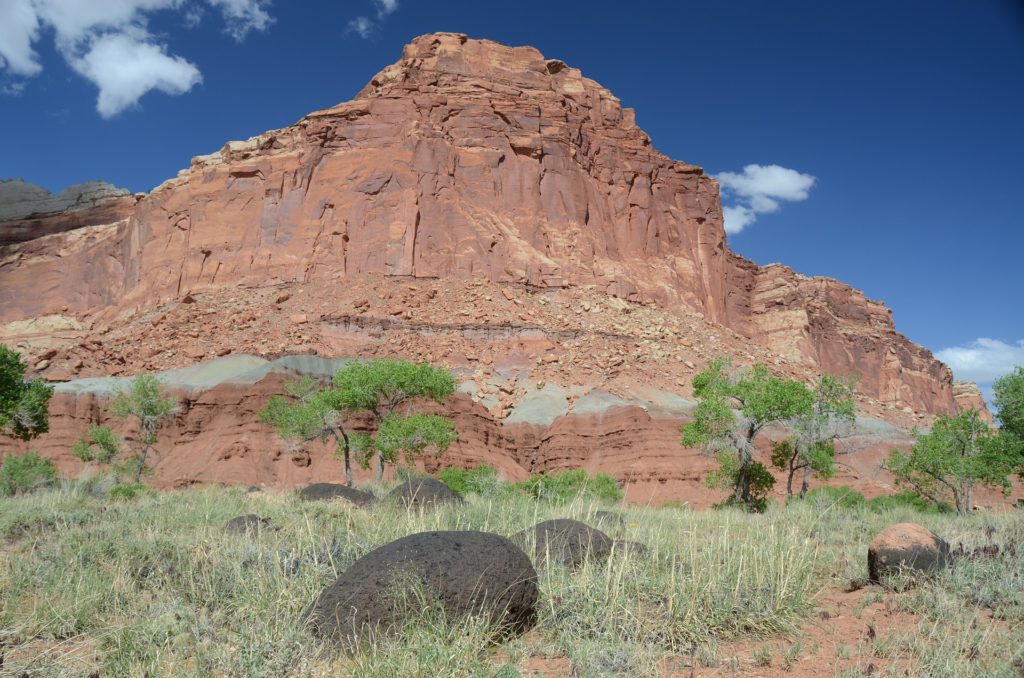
[
  {"x": 380, "y": 466},
  {"x": 970, "y": 496},
  {"x": 142, "y": 462},
  {"x": 806, "y": 482}
]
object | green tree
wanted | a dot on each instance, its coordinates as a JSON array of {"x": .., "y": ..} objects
[
  {"x": 146, "y": 400},
  {"x": 384, "y": 388},
  {"x": 760, "y": 399},
  {"x": 24, "y": 404},
  {"x": 958, "y": 453},
  {"x": 1009, "y": 399},
  {"x": 811, "y": 447},
  {"x": 309, "y": 412}
]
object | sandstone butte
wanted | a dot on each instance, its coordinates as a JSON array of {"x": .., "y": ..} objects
[{"x": 475, "y": 205}]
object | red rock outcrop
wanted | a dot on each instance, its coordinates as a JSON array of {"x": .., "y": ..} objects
[{"x": 475, "y": 160}]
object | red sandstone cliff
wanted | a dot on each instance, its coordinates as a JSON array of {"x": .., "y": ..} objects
[{"x": 466, "y": 159}]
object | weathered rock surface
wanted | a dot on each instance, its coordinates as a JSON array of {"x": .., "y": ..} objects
[
  {"x": 467, "y": 159},
  {"x": 905, "y": 546},
  {"x": 28, "y": 211},
  {"x": 968, "y": 397},
  {"x": 424, "y": 492},
  {"x": 335, "y": 491},
  {"x": 466, "y": 572},
  {"x": 565, "y": 541}
]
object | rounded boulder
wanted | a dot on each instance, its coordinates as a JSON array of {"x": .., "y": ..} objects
[
  {"x": 424, "y": 492},
  {"x": 565, "y": 541},
  {"x": 467, "y": 573},
  {"x": 247, "y": 524},
  {"x": 907, "y": 547},
  {"x": 335, "y": 491}
]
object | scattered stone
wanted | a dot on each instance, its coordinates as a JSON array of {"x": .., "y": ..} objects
[
  {"x": 565, "y": 541},
  {"x": 42, "y": 365},
  {"x": 907, "y": 547},
  {"x": 333, "y": 491},
  {"x": 298, "y": 319},
  {"x": 283, "y": 297},
  {"x": 247, "y": 524},
  {"x": 424, "y": 492},
  {"x": 465, "y": 572}
]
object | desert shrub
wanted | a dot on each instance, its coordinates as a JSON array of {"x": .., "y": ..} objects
[
  {"x": 128, "y": 491},
  {"x": 482, "y": 480},
  {"x": 565, "y": 486},
  {"x": 838, "y": 497},
  {"x": 25, "y": 473},
  {"x": 906, "y": 499}
]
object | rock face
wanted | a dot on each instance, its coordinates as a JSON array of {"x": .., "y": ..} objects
[
  {"x": 565, "y": 541},
  {"x": 905, "y": 546},
  {"x": 968, "y": 397},
  {"x": 467, "y": 572},
  {"x": 28, "y": 211},
  {"x": 467, "y": 159},
  {"x": 333, "y": 491}
]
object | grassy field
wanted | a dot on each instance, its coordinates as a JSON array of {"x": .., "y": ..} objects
[{"x": 91, "y": 586}]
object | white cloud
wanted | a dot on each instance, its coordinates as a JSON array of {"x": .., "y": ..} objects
[
  {"x": 361, "y": 25},
  {"x": 385, "y": 7},
  {"x": 983, "y": 360},
  {"x": 108, "y": 42},
  {"x": 125, "y": 68},
  {"x": 243, "y": 16},
  {"x": 364, "y": 26},
  {"x": 758, "y": 189},
  {"x": 19, "y": 28}
]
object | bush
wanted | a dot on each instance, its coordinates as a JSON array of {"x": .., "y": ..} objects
[
  {"x": 129, "y": 491},
  {"x": 482, "y": 480},
  {"x": 839, "y": 497},
  {"x": 567, "y": 485},
  {"x": 25, "y": 473},
  {"x": 906, "y": 499}
]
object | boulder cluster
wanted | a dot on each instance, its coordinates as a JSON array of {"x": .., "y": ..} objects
[{"x": 458, "y": 573}]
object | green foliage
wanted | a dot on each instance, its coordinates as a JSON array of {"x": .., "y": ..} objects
[
  {"x": 482, "y": 480},
  {"x": 1009, "y": 399},
  {"x": 25, "y": 473},
  {"x": 381, "y": 386},
  {"x": 958, "y": 453},
  {"x": 146, "y": 400},
  {"x": 728, "y": 476},
  {"x": 404, "y": 437},
  {"x": 761, "y": 399},
  {"x": 564, "y": 486},
  {"x": 129, "y": 491},
  {"x": 837, "y": 497},
  {"x": 23, "y": 404},
  {"x": 907, "y": 499},
  {"x": 101, "y": 445}
]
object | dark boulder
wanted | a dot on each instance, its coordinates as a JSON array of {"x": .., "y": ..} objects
[
  {"x": 333, "y": 491},
  {"x": 424, "y": 492},
  {"x": 608, "y": 520},
  {"x": 908, "y": 547},
  {"x": 631, "y": 549},
  {"x": 247, "y": 524},
  {"x": 465, "y": 572},
  {"x": 568, "y": 542}
]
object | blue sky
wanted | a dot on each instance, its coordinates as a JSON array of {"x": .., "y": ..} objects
[{"x": 900, "y": 123}]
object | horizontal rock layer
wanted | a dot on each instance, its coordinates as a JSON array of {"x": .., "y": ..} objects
[
  {"x": 467, "y": 159},
  {"x": 28, "y": 211}
]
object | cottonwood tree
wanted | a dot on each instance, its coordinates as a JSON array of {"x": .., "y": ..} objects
[
  {"x": 310, "y": 412},
  {"x": 146, "y": 400},
  {"x": 810, "y": 450},
  {"x": 759, "y": 398},
  {"x": 385, "y": 388},
  {"x": 958, "y": 453},
  {"x": 24, "y": 405},
  {"x": 1009, "y": 399}
]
